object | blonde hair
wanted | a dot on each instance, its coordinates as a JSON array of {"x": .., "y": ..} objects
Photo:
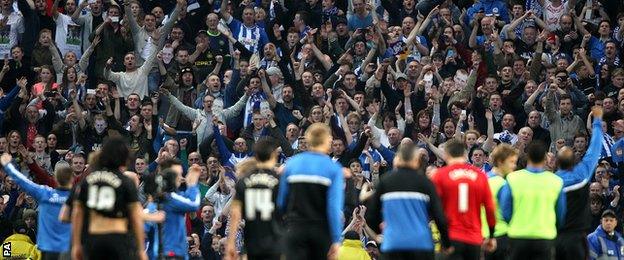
[
  {"x": 317, "y": 134},
  {"x": 502, "y": 152}
]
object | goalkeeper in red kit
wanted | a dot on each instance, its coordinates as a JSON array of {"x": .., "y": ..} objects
[{"x": 464, "y": 189}]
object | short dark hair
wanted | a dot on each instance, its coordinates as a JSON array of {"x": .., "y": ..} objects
[
  {"x": 264, "y": 148},
  {"x": 406, "y": 152},
  {"x": 116, "y": 152},
  {"x": 168, "y": 163},
  {"x": 536, "y": 151},
  {"x": 63, "y": 175},
  {"x": 455, "y": 148}
]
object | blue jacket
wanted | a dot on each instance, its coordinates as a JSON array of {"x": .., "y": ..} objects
[
  {"x": 176, "y": 205},
  {"x": 52, "y": 235},
  {"x": 582, "y": 172},
  {"x": 490, "y": 7},
  {"x": 601, "y": 247}
]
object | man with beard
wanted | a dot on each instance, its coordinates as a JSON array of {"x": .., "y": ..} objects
[
  {"x": 570, "y": 243},
  {"x": 287, "y": 111}
]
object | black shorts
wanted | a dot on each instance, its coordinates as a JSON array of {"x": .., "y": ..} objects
[
  {"x": 534, "y": 249},
  {"x": 307, "y": 241},
  {"x": 109, "y": 246},
  {"x": 571, "y": 246},
  {"x": 502, "y": 249},
  {"x": 465, "y": 251}
]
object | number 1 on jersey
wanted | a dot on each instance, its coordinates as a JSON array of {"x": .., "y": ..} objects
[{"x": 462, "y": 201}]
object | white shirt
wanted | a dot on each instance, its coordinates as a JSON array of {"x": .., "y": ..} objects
[
  {"x": 68, "y": 35},
  {"x": 9, "y": 33}
]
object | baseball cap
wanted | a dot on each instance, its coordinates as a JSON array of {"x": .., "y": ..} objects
[
  {"x": 608, "y": 213},
  {"x": 202, "y": 32},
  {"x": 400, "y": 75},
  {"x": 371, "y": 243}
]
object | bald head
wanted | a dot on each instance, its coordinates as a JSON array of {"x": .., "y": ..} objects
[{"x": 565, "y": 158}]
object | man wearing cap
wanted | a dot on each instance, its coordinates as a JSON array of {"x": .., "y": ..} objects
[
  {"x": 605, "y": 242},
  {"x": 184, "y": 89}
]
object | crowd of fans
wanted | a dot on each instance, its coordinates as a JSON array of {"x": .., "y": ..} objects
[{"x": 202, "y": 81}]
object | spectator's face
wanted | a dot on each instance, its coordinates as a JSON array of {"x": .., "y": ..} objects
[
  {"x": 604, "y": 28},
  {"x": 356, "y": 169},
  {"x": 562, "y": 64},
  {"x": 413, "y": 68},
  {"x": 248, "y": 16},
  {"x": 3, "y": 144},
  {"x": 96, "y": 7},
  {"x": 350, "y": 81},
  {"x": 407, "y": 25},
  {"x": 113, "y": 11},
  {"x": 239, "y": 144},
  {"x": 254, "y": 84},
  {"x": 258, "y": 121},
  {"x": 618, "y": 81},
  {"x": 529, "y": 35},
  {"x": 149, "y": 21},
  {"x": 70, "y": 6},
  {"x": 478, "y": 158},
  {"x": 608, "y": 105},
  {"x": 341, "y": 105},
  {"x": 508, "y": 122},
  {"x": 187, "y": 79},
  {"x": 424, "y": 121},
  {"x": 101, "y": 90},
  {"x": 45, "y": 38},
  {"x": 408, "y": 4},
  {"x": 177, "y": 34},
  {"x": 595, "y": 206},
  {"x": 129, "y": 61},
  {"x": 471, "y": 140},
  {"x": 172, "y": 147},
  {"x": 359, "y": 6},
  {"x": 158, "y": 13},
  {"x": 287, "y": 94},
  {"x": 517, "y": 11},
  {"x": 394, "y": 136},
  {"x": 135, "y": 124},
  {"x": 292, "y": 132},
  {"x": 78, "y": 164},
  {"x": 519, "y": 68},
  {"x": 5, "y": 4},
  {"x": 207, "y": 214},
  {"x": 182, "y": 57},
  {"x": 40, "y": 5},
  {"x": 208, "y": 101},
  {"x": 52, "y": 141},
  {"x": 530, "y": 88},
  {"x": 32, "y": 114},
  {"x": 580, "y": 143},
  {"x": 307, "y": 78},
  {"x": 133, "y": 102},
  {"x": 491, "y": 84},
  {"x": 608, "y": 224},
  {"x": 360, "y": 48},
  {"x": 565, "y": 106},
  {"x": 17, "y": 54},
  {"x": 140, "y": 166},
  {"x": 292, "y": 38},
  {"x": 316, "y": 115},
  {"x": 135, "y": 8},
  {"x": 45, "y": 75},
  {"x": 40, "y": 144},
  {"x": 506, "y": 73},
  {"x": 194, "y": 158},
  {"x": 525, "y": 135},
  {"x": 14, "y": 139},
  {"x": 146, "y": 111},
  {"x": 342, "y": 29},
  {"x": 71, "y": 74},
  {"x": 495, "y": 102},
  {"x": 534, "y": 119},
  {"x": 566, "y": 23},
  {"x": 486, "y": 26},
  {"x": 449, "y": 129},
  {"x": 337, "y": 147}
]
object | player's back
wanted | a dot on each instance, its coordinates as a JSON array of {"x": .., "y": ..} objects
[
  {"x": 257, "y": 192},
  {"x": 463, "y": 189},
  {"x": 309, "y": 177}
]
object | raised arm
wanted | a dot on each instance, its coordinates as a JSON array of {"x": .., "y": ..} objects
[{"x": 266, "y": 89}]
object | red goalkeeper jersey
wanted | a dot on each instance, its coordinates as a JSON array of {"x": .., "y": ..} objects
[{"x": 463, "y": 189}]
